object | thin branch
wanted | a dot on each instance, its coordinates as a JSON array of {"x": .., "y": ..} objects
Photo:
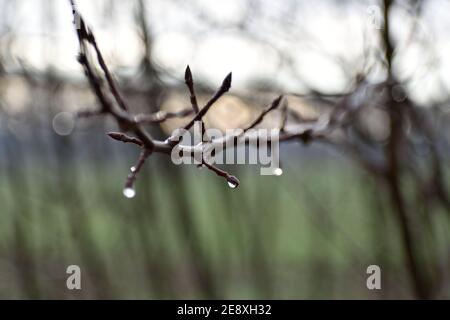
[
  {"x": 284, "y": 116},
  {"x": 122, "y": 117},
  {"x": 275, "y": 103},
  {"x": 119, "y": 136},
  {"x": 86, "y": 34},
  {"x": 161, "y": 116},
  {"x": 190, "y": 84},
  {"x": 226, "y": 85},
  {"x": 129, "y": 184},
  {"x": 232, "y": 180}
]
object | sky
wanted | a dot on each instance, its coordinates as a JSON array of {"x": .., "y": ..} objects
[{"x": 315, "y": 36}]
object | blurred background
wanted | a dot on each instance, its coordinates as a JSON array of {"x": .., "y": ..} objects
[{"x": 377, "y": 196}]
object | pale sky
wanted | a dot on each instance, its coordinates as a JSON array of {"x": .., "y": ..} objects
[{"x": 312, "y": 33}]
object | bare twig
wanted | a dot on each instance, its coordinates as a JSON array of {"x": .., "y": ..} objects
[
  {"x": 232, "y": 180},
  {"x": 275, "y": 103},
  {"x": 161, "y": 116},
  {"x": 226, "y": 85},
  {"x": 284, "y": 116},
  {"x": 190, "y": 84},
  {"x": 119, "y": 136},
  {"x": 129, "y": 184}
]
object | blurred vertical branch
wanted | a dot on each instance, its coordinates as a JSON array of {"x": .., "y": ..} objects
[
  {"x": 149, "y": 71},
  {"x": 393, "y": 147}
]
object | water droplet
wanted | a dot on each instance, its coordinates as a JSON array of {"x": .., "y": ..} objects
[
  {"x": 133, "y": 169},
  {"x": 200, "y": 167},
  {"x": 278, "y": 171},
  {"x": 232, "y": 184},
  {"x": 129, "y": 193}
]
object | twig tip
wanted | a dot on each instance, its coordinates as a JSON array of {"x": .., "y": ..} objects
[
  {"x": 188, "y": 75},
  {"x": 226, "y": 85}
]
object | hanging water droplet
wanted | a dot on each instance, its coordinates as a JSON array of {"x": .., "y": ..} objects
[
  {"x": 200, "y": 167},
  {"x": 133, "y": 169},
  {"x": 129, "y": 193},
  {"x": 278, "y": 171},
  {"x": 232, "y": 184}
]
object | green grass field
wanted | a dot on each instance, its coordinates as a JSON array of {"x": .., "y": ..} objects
[{"x": 310, "y": 233}]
